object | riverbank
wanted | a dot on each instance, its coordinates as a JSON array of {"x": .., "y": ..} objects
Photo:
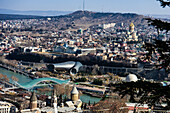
[
  {"x": 15, "y": 70},
  {"x": 24, "y": 79},
  {"x": 93, "y": 94},
  {"x": 21, "y": 78}
]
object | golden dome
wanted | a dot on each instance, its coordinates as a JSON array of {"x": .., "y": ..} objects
[{"x": 132, "y": 25}]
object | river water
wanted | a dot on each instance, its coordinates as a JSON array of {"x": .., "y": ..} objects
[{"x": 23, "y": 79}]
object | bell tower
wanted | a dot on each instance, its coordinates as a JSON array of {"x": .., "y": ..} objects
[
  {"x": 74, "y": 94},
  {"x": 33, "y": 101}
]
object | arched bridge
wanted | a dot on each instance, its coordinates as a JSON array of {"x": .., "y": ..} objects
[{"x": 34, "y": 82}]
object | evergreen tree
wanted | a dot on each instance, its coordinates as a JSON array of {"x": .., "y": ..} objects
[
  {"x": 60, "y": 99},
  {"x": 164, "y": 3},
  {"x": 85, "y": 106},
  {"x": 94, "y": 103},
  {"x": 142, "y": 92},
  {"x": 65, "y": 99},
  {"x": 82, "y": 106},
  {"x": 159, "y": 46}
]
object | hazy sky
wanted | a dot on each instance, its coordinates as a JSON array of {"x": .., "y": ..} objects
[{"x": 123, "y": 6}]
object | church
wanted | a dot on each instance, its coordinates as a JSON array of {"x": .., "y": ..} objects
[
  {"x": 72, "y": 105},
  {"x": 132, "y": 33}
]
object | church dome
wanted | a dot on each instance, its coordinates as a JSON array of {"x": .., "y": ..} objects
[
  {"x": 33, "y": 97},
  {"x": 131, "y": 77},
  {"x": 74, "y": 90},
  {"x": 132, "y": 25}
]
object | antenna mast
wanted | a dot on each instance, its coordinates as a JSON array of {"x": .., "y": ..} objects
[{"x": 83, "y": 4}]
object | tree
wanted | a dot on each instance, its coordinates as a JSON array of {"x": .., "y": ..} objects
[
  {"x": 6, "y": 78},
  {"x": 14, "y": 78},
  {"x": 97, "y": 82},
  {"x": 95, "y": 70},
  {"x": 94, "y": 103},
  {"x": 143, "y": 92},
  {"x": 43, "y": 90},
  {"x": 68, "y": 90},
  {"x": 1, "y": 76},
  {"x": 82, "y": 106},
  {"x": 158, "y": 46},
  {"x": 59, "y": 89},
  {"x": 85, "y": 106},
  {"x": 83, "y": 79},
  {"x": 164, "y": 3},
  {"x": 89, "y": 102},
  {"x": 146, "y": 92},
  {"x": 109, "y": 106}
]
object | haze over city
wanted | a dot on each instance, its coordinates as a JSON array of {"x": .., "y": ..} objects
[{"x": 122, "y": 6}]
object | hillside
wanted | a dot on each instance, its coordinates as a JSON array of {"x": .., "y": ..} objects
[{"x": 85, "y": 18}]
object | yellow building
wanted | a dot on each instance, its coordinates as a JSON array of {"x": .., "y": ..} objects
[
  {"x": 131, "y": 27},
  {"x": 132, "y": 33}
]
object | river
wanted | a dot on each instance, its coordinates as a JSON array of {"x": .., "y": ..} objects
[{"x": 23, "y": 79}]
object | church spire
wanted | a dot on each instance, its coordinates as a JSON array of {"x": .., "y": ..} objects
[{"x": 54, "y": 100}]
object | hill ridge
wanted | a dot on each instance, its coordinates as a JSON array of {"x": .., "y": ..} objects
[{"x": 87, "y": 18}]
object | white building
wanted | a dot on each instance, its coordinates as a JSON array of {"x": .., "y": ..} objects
[
  {"x": 109, "y": 25},
  {"x": 31, "y": 49},
  {"x": 131, "y": 78},
  {"x": 5, "y": 107}
]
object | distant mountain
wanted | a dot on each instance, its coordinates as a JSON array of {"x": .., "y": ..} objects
[
  {"x": 85, "y": 19},
  {"x": 34, "y": 12},
  {"x": 13, "y": 17},
  {"x": 161, "y": 16}
]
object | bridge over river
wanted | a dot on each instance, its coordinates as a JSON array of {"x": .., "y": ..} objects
[{"x": 34, "y": 82}]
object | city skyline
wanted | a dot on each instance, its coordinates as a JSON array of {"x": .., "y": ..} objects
[{"x": 123, "y": 6}]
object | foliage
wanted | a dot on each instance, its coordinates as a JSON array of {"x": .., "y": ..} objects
[
  {"x": 59, "y": 89},
  {"x": 97, "y": 82},
  {"x": 95, "y": 70},
  {"x": 14, "y": 78},
  {"x": 164, "y": 3},
  {"x": 145, "y": 92},
  {"x": 85, "y": 60},
  {"x": 109, "y": 106},
  {"x": 4, "y": 78},
  {"x": 68, "y": 89},
  {"x": 159, "y": 24},
  {"x": 162, "y": 48},
  {"x": 159, "y": 46},
  {"x": 83, "y": 79}
]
